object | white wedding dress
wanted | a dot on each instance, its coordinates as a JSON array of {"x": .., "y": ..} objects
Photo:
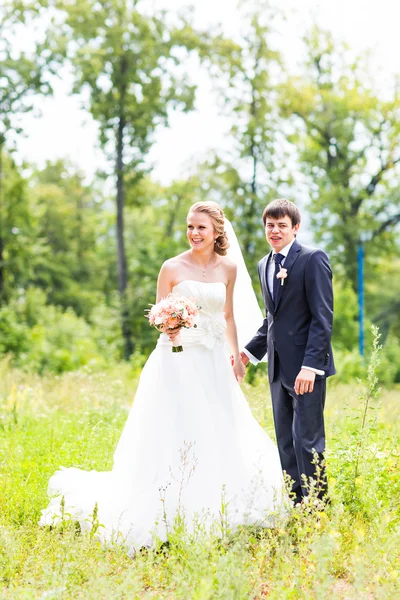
[{"x": 190, "y": 445}]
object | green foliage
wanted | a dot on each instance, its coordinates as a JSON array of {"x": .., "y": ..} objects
[
  {"x": 345, "y": 326},
  {"x": 351, "y": 550},
  {"x": 16, "y": 228},
  {"x": 349, "y": 366},
  {"x": 389, "y": 369},
  {"x": 22, "y": 74},
  {"x": 13, "y": 334},
  {"x": 383, "y": 293},
  {"x": 43, "y": 337},
  {"x": 348, "y": 136},
  {"x": 368, "y": 402},
  {"x": 364, "y": 455},
  {"x": 124, "y": 58},
  {"x": 75, "y": 246}
]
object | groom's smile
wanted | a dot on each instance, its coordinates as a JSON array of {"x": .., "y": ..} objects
[{"x": 280, "y": 232}]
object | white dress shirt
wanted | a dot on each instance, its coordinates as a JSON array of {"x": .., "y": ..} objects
[
  {"x": 270, "y": 283},
  {"x": 271, "y": 266}
]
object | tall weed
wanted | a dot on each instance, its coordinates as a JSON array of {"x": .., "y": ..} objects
[{"x": 347, "y": 550}]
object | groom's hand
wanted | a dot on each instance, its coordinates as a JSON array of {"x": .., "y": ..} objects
[
  {"x": 245, "y": 359},
  {"x": 304, "y": 382}
]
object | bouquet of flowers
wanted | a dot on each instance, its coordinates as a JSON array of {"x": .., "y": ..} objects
[{"x": 173, "y": 312}]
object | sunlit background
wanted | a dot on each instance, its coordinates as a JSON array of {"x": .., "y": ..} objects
[
  {"x": 59, "y": 127},
  {"x": 317, "y": 122}
]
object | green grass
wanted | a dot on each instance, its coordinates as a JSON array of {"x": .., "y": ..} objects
[{"x": 350, "y": 551}]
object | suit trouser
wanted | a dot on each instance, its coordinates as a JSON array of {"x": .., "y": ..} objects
[{"x": 299, "y": 426}]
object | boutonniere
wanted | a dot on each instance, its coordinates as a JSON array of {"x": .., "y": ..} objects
[{"x": 282, "y": 274}]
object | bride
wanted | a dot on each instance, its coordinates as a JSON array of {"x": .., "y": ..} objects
[{"x": 190, "y": 446}]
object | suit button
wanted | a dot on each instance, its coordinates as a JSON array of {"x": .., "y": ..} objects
[{"x": 275, "y": 318}]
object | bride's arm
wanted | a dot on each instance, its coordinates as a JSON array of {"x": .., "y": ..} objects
[
  {"x": 231, "y": 331},
  {"x": 165, "y": 284},
  {"x": 165, "y": 281}
]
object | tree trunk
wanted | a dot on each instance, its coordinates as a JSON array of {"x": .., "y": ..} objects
[
  {"x": 172, "y": 217},
  {"x": 79, "y": 228},
  {"x": 122, "y": 270},
  {"x": 251, "y": 207},
  {"x": 254, "y": 178},
  {"x": 1, "y": 269},
  {"x": 1, "y": 227}
]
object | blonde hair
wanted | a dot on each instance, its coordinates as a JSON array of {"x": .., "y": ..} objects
[{"x": 215, "y": 212}]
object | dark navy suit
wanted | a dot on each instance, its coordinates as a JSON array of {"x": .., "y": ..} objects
[{"x": 297, "y": 332}]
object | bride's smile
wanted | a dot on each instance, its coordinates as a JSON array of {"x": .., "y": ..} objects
[{"x": 200, "y": 232}]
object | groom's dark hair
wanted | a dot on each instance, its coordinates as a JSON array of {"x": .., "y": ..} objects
[{"x": 282, "y": 208}]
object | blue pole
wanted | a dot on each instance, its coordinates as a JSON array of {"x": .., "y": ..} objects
[{"x": 361, "y": 297}]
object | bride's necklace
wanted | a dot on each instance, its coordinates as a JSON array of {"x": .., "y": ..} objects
[{"x": 203, "y": 271}]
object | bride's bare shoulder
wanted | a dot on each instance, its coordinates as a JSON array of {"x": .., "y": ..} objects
[
  {"x": 229, "y": 265},
  {"x": 228, "y": 262},
  {"x": 173, "y": 264},
  {"x": 229, "y": 269}
]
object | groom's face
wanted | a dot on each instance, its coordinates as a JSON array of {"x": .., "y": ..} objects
[{"x": 280, "y": 232}]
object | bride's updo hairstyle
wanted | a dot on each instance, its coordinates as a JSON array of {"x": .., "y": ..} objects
[{"x": 216, "y": 214}]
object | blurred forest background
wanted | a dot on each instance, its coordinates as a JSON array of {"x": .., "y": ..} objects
[{"x": 79, "y": 260}]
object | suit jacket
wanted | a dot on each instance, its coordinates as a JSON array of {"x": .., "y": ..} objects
[{"x": 298, "y": 327}]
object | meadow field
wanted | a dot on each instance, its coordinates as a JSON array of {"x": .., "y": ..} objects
[{"x": 350, "y": 551}]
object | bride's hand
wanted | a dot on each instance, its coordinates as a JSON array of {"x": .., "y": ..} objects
[
  {"x": 171, "y": 333},
  {"x": 239, "y": 369}
]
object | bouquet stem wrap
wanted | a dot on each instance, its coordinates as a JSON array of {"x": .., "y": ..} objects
[{"x": 177, "y": 344}]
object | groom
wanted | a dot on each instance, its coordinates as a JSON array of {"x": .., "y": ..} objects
[{"x": 296, "y": 283}]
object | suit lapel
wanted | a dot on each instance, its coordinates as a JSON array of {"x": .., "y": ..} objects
[
  {"x": 264, "y": 275},
  {"x": 289, "y": 262}
]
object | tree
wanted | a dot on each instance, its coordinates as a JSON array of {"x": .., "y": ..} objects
[
  {"x": 128, "y": 62},
  {"x": 70, "y": 262},
  {"x": 349, "y": 140},
  {"x": 247, "y": 73},
  {"x": 16, "y": 233},
  {"x": 22, "y": 75}
]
